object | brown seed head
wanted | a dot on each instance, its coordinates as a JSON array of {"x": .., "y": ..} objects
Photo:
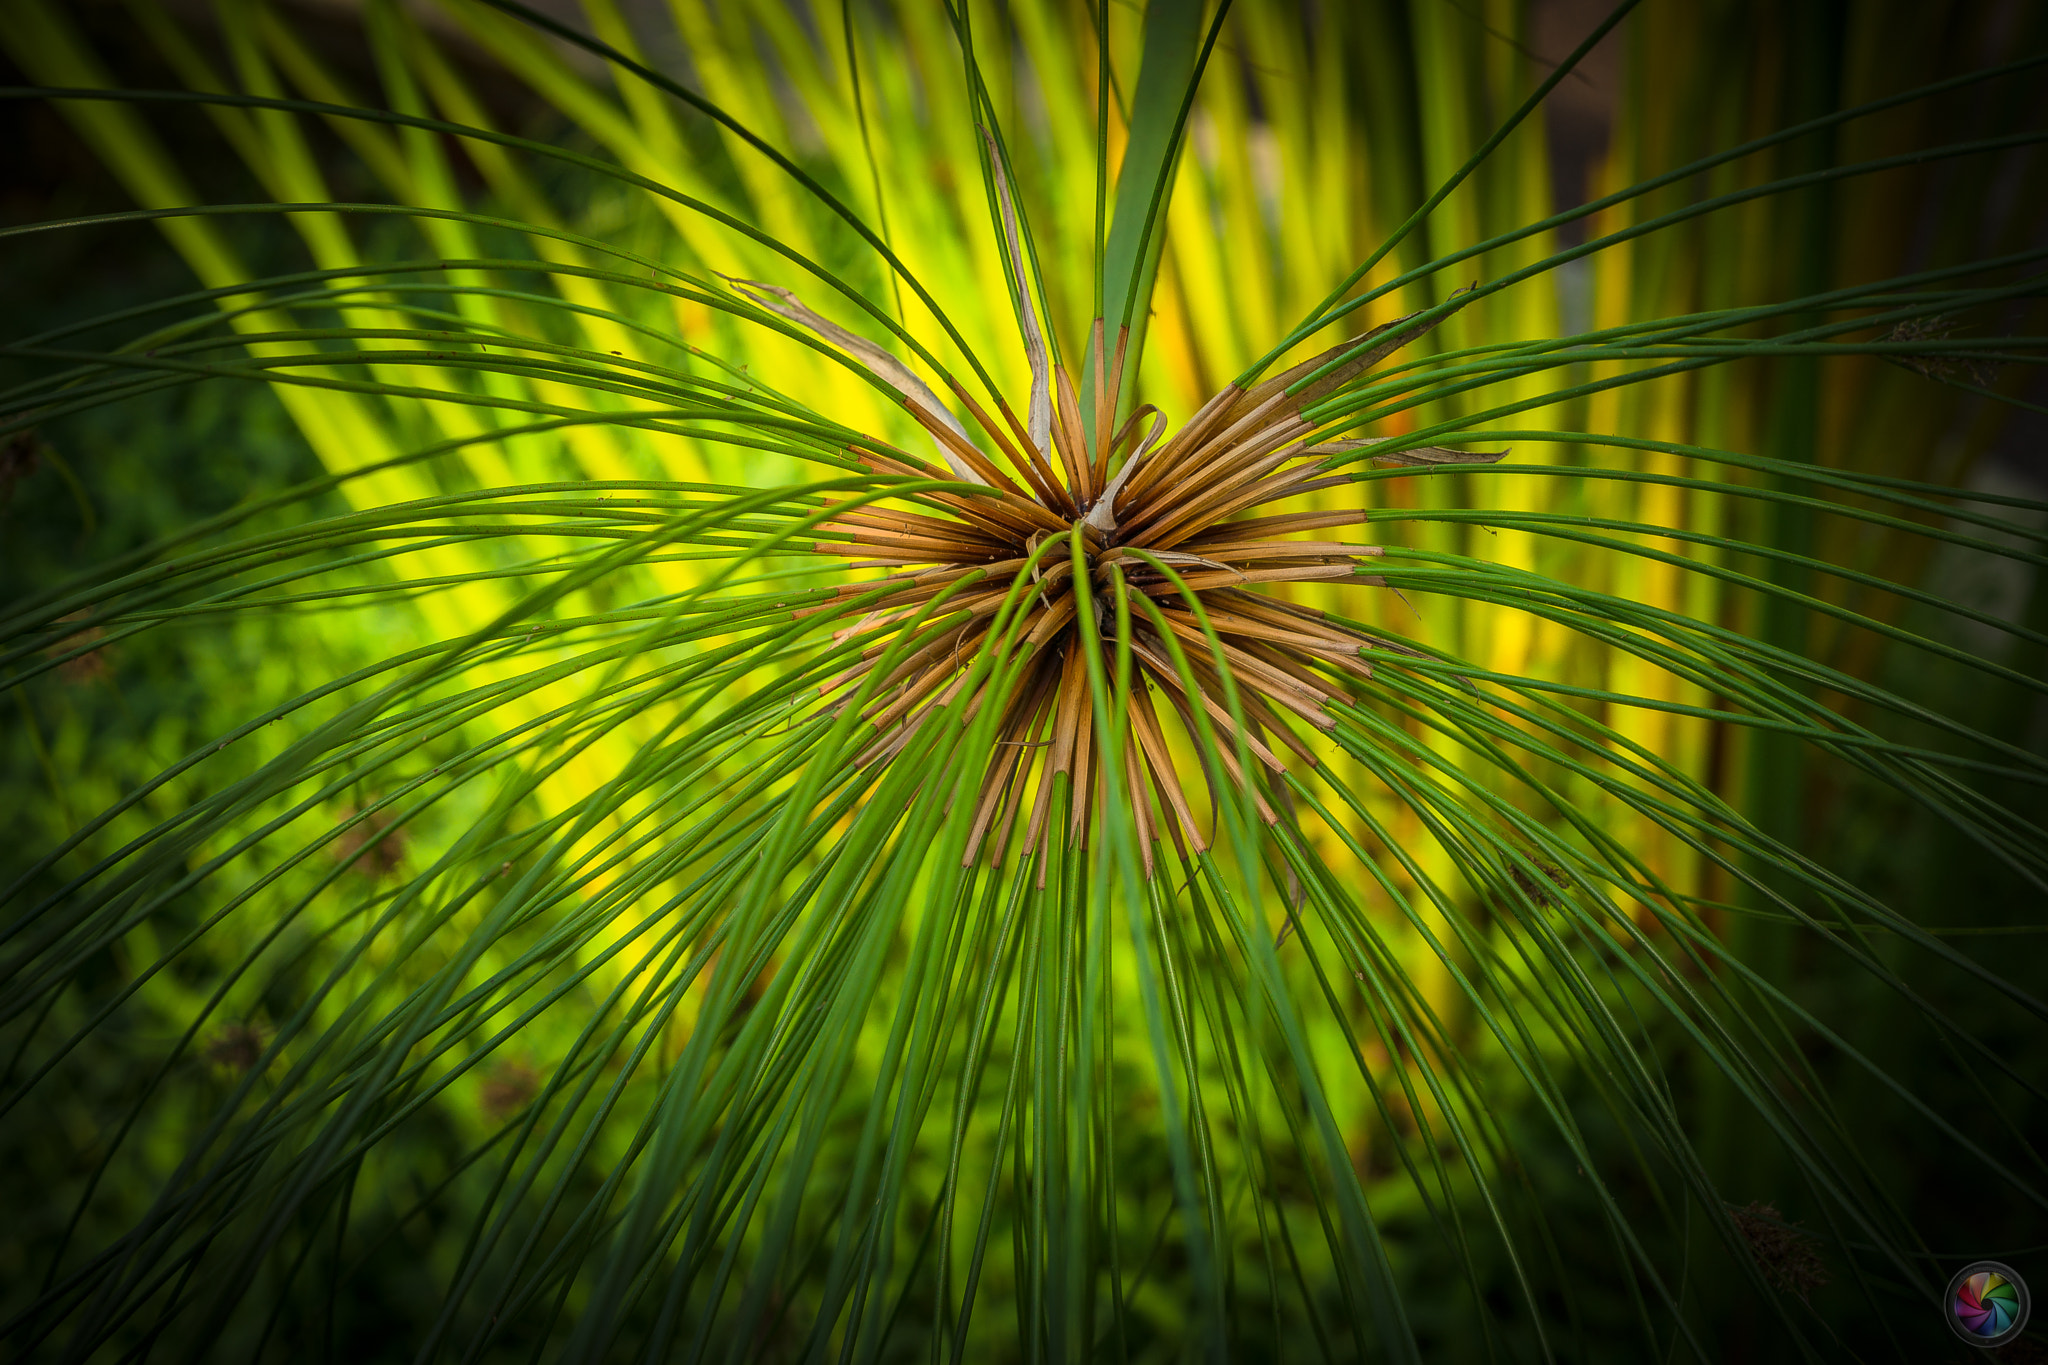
[{"x": 978, "y": 584}]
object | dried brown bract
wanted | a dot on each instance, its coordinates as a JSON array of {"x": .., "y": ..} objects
[
  {"x": 1936, "y": 364},
  {"x": 80, "y": 669},
  {"x": 508, "y": 1088},
  {"x": 20, "y": 455},
  {"x": 237, "y": 1047},
  {"x": 1544, "y": 895},
  {"x": 382, "y": 845},
  {"x": 1789, "y": 1258}
]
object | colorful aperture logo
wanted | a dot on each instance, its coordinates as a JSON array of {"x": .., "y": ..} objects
[{"x": 1987, "y": 1303}]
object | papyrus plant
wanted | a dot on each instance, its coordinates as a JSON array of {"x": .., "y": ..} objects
[{"x": 1002, "y": 690}]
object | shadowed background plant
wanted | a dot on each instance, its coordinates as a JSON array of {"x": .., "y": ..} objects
[{"x": 686, "y": 700}]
